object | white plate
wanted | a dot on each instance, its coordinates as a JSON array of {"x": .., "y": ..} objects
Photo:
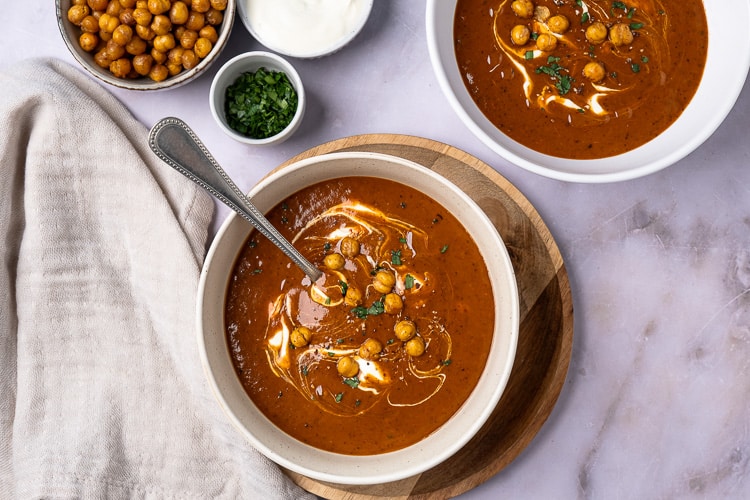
[{"x": 723, "y": 78}]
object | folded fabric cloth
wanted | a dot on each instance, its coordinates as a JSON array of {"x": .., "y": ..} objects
[{"x": 102, "y": 393}]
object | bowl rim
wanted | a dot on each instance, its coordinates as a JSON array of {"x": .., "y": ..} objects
[
  {"x": 144, "y": 84},
  {"x": 498, "y": 375},
  {"x": 343, "y": 42},
  {"x": 727, "y": 82},
  {"x": 216, "y": 95}
]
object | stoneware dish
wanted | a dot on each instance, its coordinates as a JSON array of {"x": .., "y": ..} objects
[
  {"x": 304, "y": 29},
  {"x": 263, "y": 434},
  {"x": 726, "y": 69},
  {"x": 251, "y": 62},
  {"x": 71, "y": 33}
]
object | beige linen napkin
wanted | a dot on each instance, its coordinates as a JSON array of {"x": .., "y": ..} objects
[{"x": 102, "y": 393}]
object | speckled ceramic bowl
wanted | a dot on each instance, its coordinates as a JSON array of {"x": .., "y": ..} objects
[{"x": 71, "y": 33}]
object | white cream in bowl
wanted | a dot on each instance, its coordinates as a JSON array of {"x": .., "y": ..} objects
[{"x": 304, "y": 28}]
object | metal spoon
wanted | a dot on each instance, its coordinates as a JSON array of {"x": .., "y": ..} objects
[{"x": 178, "y": 146}]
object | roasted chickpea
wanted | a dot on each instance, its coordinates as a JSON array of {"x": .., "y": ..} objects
[
  {"x": 114, "y": 50},
  {"x": 353, "y": 296},
  {"x": 174, "y": 68},
  {"x": 219, "y": 4},
  {"x": 126, "y": 17},
  {"x": 383, "y": 281},
  {"x": 164, "y": 43},
  {"x": 209, "y": 33},
  {"x": 88, "y": 41},
  {"x": 620, "y": 35},
  {"x": 405, "y": 330},
  {"x": 144, "y": 32},
  {"x": 161, "y": 25},
  {"x": 393, "y": 303},
  {"x": 158, "y": 73},
  {"x": 596, "y": 33},
  {"x": 300, "y": 336},
  {"x": 541, "y": 13},
  {"x": 136, "y": 46},
  {"x": 142, "y": 64},
  {"x": 105, "y": 36},
  {"x": 520, "y": 34},
  {"x": 108, "y": 23},
  {"x": 142, "y": 17},
  {"x": 189, "y": 59},
  {"x": 200, "y": 5},
  {"x": 179, "y": 12},
  {"x": 558, "y": 24},
  {"x": 347, "y": 367},
  {"x": 102, "y": 59},
  {"x": 178, "y": 31},
  {"x": 113, "y": 9},
  {"x": 349, "y": 246},
  {"x": 214, "y": 17},
  {"x": 77, "y": 13},
  {"x": 594, "y": 71},
  {"x": 127, "y": 4},
  {"x": 90, "y": 24},
  {"x": 122, "y": 34},
  {"x": 159, "y": 6},
  {"x": 334, "y": 261},
  {"x": 159, "y": 56},
  {"x": 196, "y": 20},
  {"x": 121, "y": 67},
  {"x": 175, "y": 55},
  {"x": 546, "y": 42},
  {"x": 202, "y": 47},
  {"x": 97, "y": 4},
  {"x": 370, "y": 349},
  {"x": 523, "y": 8},
  {"x": 415, "y": 347},
  {"x": 188, "y": 38}
]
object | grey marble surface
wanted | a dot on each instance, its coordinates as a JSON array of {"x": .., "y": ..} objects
[{"x": 657, "y": 399}]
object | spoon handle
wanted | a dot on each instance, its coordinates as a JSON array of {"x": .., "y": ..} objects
[{"x": 178, "y": 146}]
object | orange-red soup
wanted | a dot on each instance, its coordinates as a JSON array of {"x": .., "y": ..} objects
[
  {"x": 438, "y": 276},
  {"x": 581, "y": 79}
]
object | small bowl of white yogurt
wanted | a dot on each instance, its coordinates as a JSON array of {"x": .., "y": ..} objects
[{"x": 304, "y": 28}]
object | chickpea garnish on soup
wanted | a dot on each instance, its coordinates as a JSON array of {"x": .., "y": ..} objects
[
  {"x": 581, "y": 79},
  {"x": 398, "y": 331}
]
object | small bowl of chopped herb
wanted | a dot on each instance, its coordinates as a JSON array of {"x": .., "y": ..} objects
[{"x": 257, "y": 98}]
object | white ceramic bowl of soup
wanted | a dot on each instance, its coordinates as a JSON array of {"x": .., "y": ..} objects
[
  {"x": 312, "y": 462},
  {"x": 727, "y": 63},
  {"x": 71, "y": 35}
]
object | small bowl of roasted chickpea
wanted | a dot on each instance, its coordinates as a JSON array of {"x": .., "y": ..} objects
[{"x": 145, "y": 44}]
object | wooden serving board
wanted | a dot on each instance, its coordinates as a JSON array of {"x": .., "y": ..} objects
[{"x": 546, "y": 326}]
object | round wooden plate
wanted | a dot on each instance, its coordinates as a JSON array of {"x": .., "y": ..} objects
[{"x": 546, "y": 327}]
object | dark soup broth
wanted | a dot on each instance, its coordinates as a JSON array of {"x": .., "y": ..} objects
[
  {"x": 581, "y": 79},
  {"x": 383, "y": 349}
]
